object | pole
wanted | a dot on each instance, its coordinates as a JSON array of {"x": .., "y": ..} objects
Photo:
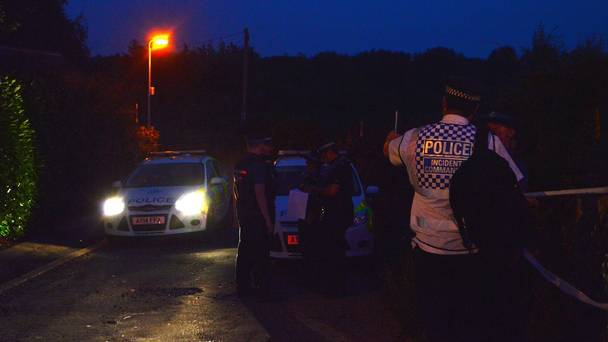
[
  {"x": 149, "y": 120},
  {"x": 137, "y": 113},
  {"x": 245, "y": 71},
  {"x": 361, "y": 129},
  {"x": 396, "y": 120}
]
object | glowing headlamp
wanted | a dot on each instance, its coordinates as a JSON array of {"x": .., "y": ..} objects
[
  {"x": 192, "y": 203},
  {"x": 113, "y": 206}
]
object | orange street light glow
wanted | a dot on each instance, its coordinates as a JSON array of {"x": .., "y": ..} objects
[{"x": 159, "y": 42}]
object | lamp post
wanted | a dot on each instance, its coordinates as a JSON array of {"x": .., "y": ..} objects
[{"x": 156, "y": 43}]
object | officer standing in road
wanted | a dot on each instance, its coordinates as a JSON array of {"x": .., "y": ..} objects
[
  {"x": 335, "y": 193},
  {"x": 254, "y": 191},
  {"x": 449, "y": 277}
]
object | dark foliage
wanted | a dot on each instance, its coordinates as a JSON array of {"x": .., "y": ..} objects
[{"x": 18, "y": 174}]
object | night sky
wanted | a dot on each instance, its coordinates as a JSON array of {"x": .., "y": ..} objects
[{"x": 281, "y": 27}]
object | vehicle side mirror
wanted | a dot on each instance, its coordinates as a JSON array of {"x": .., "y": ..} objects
[
  {"x": 217, "y": 181},
  {"x": 117, "y": 184},
  {"x": 372, "y": 190}
]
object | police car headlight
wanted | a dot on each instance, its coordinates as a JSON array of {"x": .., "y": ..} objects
[
  {"x": 113, "y": 206},
  {"x": 359, "y": 220},
  {"x": 192, "y": 203}
]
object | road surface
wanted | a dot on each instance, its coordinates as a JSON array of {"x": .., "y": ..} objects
[{"x": 181, "y": 289}]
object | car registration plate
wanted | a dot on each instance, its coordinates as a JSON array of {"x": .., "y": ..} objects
[
  {"x": 293, "y": 240},
  {"x": 147, "y": 220}
]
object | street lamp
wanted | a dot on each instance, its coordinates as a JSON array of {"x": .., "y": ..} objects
[{"x": 157, "y": 42}]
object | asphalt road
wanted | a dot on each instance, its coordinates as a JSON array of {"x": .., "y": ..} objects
[{"x": 182, "y": 290}]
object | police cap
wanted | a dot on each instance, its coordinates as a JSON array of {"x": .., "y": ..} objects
[{"x": 329, "y": 146}]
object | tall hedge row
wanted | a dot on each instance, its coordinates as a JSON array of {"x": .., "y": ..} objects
[{"x": 17, "y": 162}]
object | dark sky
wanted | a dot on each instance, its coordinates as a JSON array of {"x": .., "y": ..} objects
[{"x": 473, "y": 27}]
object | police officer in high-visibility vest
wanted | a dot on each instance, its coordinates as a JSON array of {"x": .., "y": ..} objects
[
  {"x": 254, "y": 190},
  {"x": 449, "y": 283}
]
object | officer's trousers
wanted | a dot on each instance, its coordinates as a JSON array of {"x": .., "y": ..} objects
[
  {"x": 332, "y": 257},
  {"x": 252, "y": 261},
  {"x": 450, "y": 296},
  {"x": 469, "y": 298}
]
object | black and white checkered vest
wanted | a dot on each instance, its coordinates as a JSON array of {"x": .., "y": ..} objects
[{"x": 440, "y": 150}]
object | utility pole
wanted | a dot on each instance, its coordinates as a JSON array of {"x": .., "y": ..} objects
[
  {"x": 149, "y": 116},
  {"x": 137, "y": 113},
  {"x": 245, "y": 70}
]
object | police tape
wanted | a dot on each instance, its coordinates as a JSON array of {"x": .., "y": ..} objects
[{"x": 563, "y": 285}]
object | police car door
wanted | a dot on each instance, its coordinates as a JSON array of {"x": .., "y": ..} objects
[{"x": 217, "y": 189}]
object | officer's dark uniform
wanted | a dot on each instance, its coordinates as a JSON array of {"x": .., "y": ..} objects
[
  {"x": 254, "y": 240},
  {"x": 309, "y": 227},
  {"x": 337, "y": 217}
]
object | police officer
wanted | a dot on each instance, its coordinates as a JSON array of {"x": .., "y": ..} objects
[
  {"x": 449, "y": 278},
  {"x": 504, "y": 127},
  {"x": 335, "y": 194},
  {"x": 254, "y": 189},
  {"x": 311, "y": 234}
]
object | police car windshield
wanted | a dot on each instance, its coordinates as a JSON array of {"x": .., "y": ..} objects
[{"x": 173, "y": 174}]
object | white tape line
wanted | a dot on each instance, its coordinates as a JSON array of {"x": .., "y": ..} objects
[
  {"x": 572, "y": 192},
  {"x": 563, "y": 285},
  {"x": 48, "y": 267}
]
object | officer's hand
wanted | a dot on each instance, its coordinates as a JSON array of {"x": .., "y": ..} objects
[
  {"x": 269, "y": 227},
  {"x": 392, "y": 135}
]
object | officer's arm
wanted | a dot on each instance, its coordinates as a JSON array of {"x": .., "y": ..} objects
[
  {"x": 260, "y": 196},
  {"x": 342, "y": 176},
  {"x": 390, "y": 137},
  {"x": 393, "y": 146},
  {"x": 330, "y": 191}
]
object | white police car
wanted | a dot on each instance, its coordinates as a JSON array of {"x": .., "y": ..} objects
[
  {"x": 290, "y": 167},
  {"x": 168, "y": 193}
]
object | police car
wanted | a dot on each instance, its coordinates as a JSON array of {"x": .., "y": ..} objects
[
  {"x": 169, "y": 193},
  {"x": 290, "y": 168}
]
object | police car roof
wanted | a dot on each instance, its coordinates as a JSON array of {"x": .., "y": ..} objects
[
  {"x": 177, "y": 157},
  {"x": 284, "y": 161},
  {"x": 296, "y": 158}
]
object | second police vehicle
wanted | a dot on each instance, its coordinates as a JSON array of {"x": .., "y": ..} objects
[{"x": 290, "y": 168}]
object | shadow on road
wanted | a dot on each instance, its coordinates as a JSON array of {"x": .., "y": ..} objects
[{"x": 298, "y": 312}]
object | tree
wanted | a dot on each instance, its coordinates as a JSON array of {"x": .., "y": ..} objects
[{"x": 42, "y": 25}]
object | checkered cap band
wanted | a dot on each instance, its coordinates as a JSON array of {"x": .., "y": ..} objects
[{"x": 461, "y": 94}]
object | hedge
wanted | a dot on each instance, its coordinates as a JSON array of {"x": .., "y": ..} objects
[{"x": 18, "y": 174}]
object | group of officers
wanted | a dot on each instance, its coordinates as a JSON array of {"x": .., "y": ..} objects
[
  {"x": 447, "y": 281},
  {"x": 328, "y": 182}
]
